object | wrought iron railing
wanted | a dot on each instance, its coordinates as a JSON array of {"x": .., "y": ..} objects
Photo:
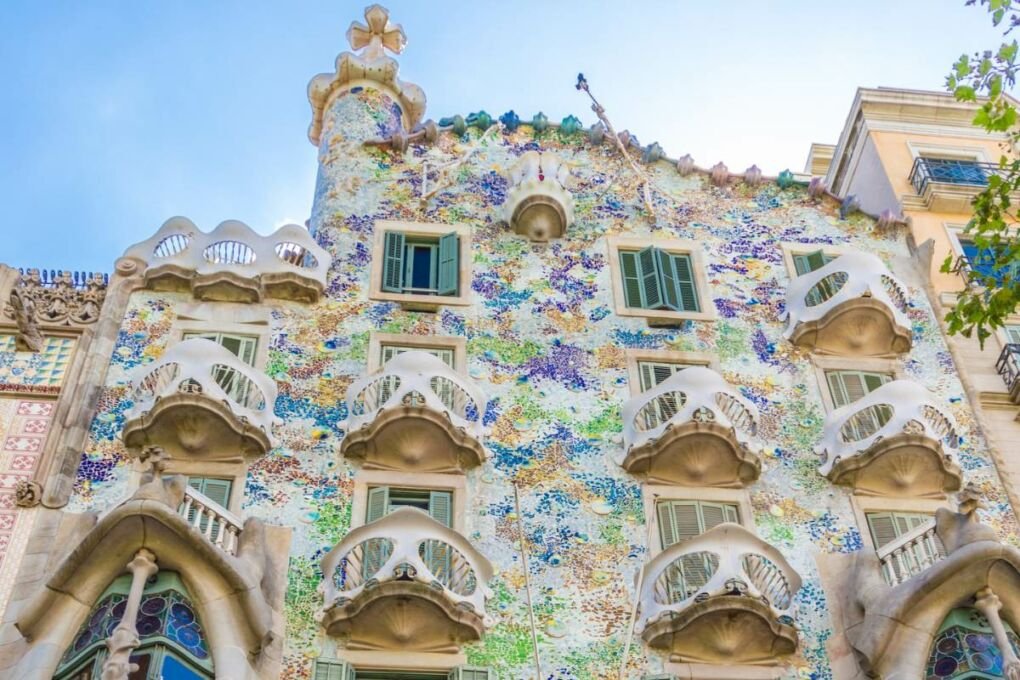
[
  {"x": 950, "y": 171},
  {"x": 1008, "y": 366}
]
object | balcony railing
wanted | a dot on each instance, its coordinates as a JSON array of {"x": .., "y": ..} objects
[
  {"x": 726, "y": 560},
  {"x": 854, "y": 277},
  {"x": 950, "y": 171},
  {"x": 210, "y": 375},
  {"x": 1008, "y": 366},
  {"x": 910, "y": 554},
  {"x": 410, "y": 546},
  {"x": 233, "y": 262},
  {"x": 220, "y": 527},
  {"x": 695, "y": 394}
]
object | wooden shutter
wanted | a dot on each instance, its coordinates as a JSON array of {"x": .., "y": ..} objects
[
  {"x": 686, "y": 289},
  {"x": 883, "y": 528},
  {"x": 443, "y": 353},
  {"x": 393, "y": 262},
  {"x": 378, "y": 503},
  {"x": 470, "y": 673},
  {"x": 441, "y": 507},
  {"x": 437, "y": 555},
  {"x": 714, "y": 514},
  {"x": 630, "y": 272},
  {"x": 656, "y": 372},
  {"x": 376, "y": 551},
  {"x": 648, "y": 269},
  {"x": 669, "y": 284},
  {"x": 332, "y": 669},
  {"x": 846, "y": 387},
  {"x": 216, "y": 490},
  {"x": 678, "y": 521},
  {"x": 449, "y": 263}
]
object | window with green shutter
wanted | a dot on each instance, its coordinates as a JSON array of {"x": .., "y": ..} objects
[
  {"x": 382, "y": 500},
  {"x": 332, "y": 669},
  {"x": 657, "y": 279},
  {"x": 680, "y": 521},
  {"x": 443, "y": 353},
  {"x": 421, "y": 265},
  {"x": 846, "y": 387},
  {"x": 666, "y": 406},
  {"x": 444, "y": 388},
  {"x": 241, "y": 346},
  {"x": 886, "y": 527},
  {"x": 215, "y": 489},
  {"x": 809, "y": 262}
]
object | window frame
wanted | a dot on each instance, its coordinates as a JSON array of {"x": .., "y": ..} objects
[
  {"x": 376, "y": 342},
  {"x": 652, "y": 494},
  {"x": 427, "y": 230},
  {"x": 226, "y": 319},
  {"x": 635, "y": 357},
  {"x": 792, "y": 249},
  {"x": 822, "y": 364},
  {"x": 692, "y": 249},
  {"x": 864, "y": 505},
  {"x": 431, "y": 481}
]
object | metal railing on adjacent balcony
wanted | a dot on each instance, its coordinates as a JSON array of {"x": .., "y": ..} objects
[
  {"x": 219, "y": 526},
  {"x": 1008, "y": 367},
  {"x": 416, "y": 379},
  {"x": 201, "y": 366},
  {"x": 406, "y": 545},
  {"x": 693, "y": 394},
  {"x": 898, "y": 407},
  {"x": 950, "y": 171},
  {"x": 910, "y": 554},
  {"x": 179, "y": 249},
  {"x": 726, "y": 560}
]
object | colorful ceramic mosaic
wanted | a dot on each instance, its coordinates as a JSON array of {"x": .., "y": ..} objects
[
  {"x": 34, "y": 369},
  {"x": 23, "y": 425},
  {"x": 549, "y": 353}
]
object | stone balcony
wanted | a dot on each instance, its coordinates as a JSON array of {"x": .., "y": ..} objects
[
  {"x": 895, "y": 600},
  {"x": 894, "y": 441},
  {"x": 693, "y": 429},
  {"x": 199, "y": 400},
  {"x": 405, "y": 582},
  {"x": 233, "y": 263},
  {"x": 415, "y": 414},
  {"x": 215, "y": 523},
  {"x": 723, "y": 596},
  {"x": 852, "y": 306}
]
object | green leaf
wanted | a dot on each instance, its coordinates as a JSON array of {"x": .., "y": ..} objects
[{"x": 964, "y": 93}]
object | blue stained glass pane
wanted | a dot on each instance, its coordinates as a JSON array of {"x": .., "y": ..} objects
[
  {"x": 152, "y": 606},
  {"x": 173, "y": 669},
  {"x": 182, "y": 614},
  {"x": 148, "y": 625}
]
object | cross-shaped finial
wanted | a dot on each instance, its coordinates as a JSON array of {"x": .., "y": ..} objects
[{"x": 378, "y": 34}]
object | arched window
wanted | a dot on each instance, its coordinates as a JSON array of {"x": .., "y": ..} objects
[
  {"x": 173, "y": 644},
  {"x": 965, "y": 648}
]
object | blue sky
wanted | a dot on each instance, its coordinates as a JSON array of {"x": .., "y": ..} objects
[{"x": 117, "y": 115}]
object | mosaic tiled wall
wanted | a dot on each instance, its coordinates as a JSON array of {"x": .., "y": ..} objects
[
  {"x": 39, "y": 372},
  {"x": 548, "y": 352}
]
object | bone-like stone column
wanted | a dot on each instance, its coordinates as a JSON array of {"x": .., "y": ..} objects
[
  {"x": 124, "y": 639},
  {"x": 989, "y": 604}
]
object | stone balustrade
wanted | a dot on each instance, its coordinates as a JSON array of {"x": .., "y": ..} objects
[
  {"x": 406, "y": 556},
  {"x": 416, "y": 413},
  {"x": 894, "y": 440},
  {"x": 910, "y": 554},
  {"x": 233, "y": 263},
  {"x": 219, "y": 526},
  {"x": 693, "y": 428},
  {"x": 723, "y": 595},
  {"x": 200, "y": 399},
  {"x": 851, "y": 306}
]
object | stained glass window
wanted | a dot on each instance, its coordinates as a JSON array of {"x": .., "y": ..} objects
[
  {"x": 173, "y": 643},
  {"x": 965, "y": 648}
]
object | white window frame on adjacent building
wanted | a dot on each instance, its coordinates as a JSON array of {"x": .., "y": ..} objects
[
  {"x": 412, "y": 300},
  {"x": 692, "y": 249}
]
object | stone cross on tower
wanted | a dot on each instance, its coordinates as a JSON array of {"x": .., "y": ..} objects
[{"x": 378, "y": 35}]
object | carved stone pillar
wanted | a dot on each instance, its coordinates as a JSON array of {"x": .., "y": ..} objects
[
  {"x": 989, "y": 604},
  {"x": 124, "y": 639}
]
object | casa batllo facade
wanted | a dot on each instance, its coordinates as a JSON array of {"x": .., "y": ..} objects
[{"x": 519, "y": 381}]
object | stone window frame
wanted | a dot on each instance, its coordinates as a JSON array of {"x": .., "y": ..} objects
[
  {"x": 437, "y": 481},
  {"x": 703, "y": 671},
  {"x": 236, "y": 472},
  {"x": 226, "y": 317},
  {"x": 862, "y": 505},
  {"x": 652, "y": 493},
  {"x": 635, "y": 356},
  {"x": 790, "y": 249},
  {"x": 417, "y": 301},
  {"x": 822, "y": 363},
  {"x": 396, "y": 660},
  {"x": 660, "y": 317},
  {"x": 376, "y": 341},
  {"x": 953, "y": 151}
]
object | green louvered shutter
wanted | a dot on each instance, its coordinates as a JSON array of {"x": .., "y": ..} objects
[
  {"x": 846, "y": 387},
  {"x": 376, "y": 551},
  {"x": 686, "y": 289},
  {"x": 809, "y": 262},
  {"x": 651, "y": 286},
  {"x": 332, "y": 669},
  {"x": 631, "y": 274},
  {"x": 393, "y": 262},
  {"x": 888, "y": 526},
  {"x": 449, "y": 263},
  {"x": 437, "y": 555},
  {"x": 470, "y": 673},
  {"x": 669, "y": 284},
  {"x": 657, "y": 372},
  {"x": 216, "y": 490}
]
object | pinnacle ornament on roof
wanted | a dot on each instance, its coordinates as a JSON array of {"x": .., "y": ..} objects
[{"x": 369, "y": 62}]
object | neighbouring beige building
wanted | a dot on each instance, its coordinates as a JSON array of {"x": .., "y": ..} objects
[{"x": 523, "y": 399}]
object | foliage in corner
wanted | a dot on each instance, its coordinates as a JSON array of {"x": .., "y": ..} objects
[{"x": 993, "y": 293}]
